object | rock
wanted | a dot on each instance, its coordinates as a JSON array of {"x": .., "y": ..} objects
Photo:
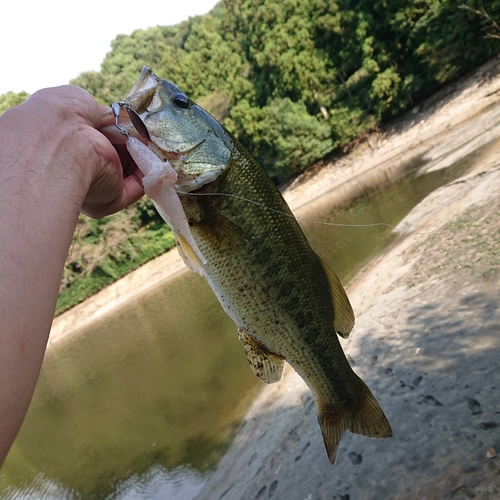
[
  {"x": 474, "y": 406},
  {"x": 355, "y": 458}
]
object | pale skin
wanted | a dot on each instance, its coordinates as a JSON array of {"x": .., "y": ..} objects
[{"x": 54, "y": 164}]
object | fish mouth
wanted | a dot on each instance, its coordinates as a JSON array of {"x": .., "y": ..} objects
[
  {"x": 176, "y": 155},
  {"x": 186, "y": 182},
  {"x": 194, "y": 169}
]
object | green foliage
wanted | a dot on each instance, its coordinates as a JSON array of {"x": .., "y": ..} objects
[
  {"x": 348, "y": 65},
  {"x": 106, "y": 249},
  {"x": 292, "y": 80},
  {"x": 285, "y": 136},
  {"x": 11, "y": 99}
]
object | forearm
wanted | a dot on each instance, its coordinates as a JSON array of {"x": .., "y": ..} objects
[
  {"x": 40, "y": 199},
  {"x": 54, "y": 163}
]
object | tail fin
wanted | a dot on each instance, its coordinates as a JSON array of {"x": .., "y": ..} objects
[{"x": 364, "y": 416}]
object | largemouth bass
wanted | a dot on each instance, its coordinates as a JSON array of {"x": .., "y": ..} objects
[{"x": 242, "y": 238}]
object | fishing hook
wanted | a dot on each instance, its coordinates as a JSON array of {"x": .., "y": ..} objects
[
  {"x": 116, "y": 107},
  {"x": 134, "y": 118}
]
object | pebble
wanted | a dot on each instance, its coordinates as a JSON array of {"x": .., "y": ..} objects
[
  {"x": 474, "y": 406},
  {"x": 355, "y": 458},
  {"x": 431, "y": 400}
]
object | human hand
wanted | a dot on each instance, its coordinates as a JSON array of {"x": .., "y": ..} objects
[
  {"x": 62, "y": 124},
  {"x": 54, "y": 163}
]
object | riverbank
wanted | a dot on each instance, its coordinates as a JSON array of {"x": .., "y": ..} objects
[
  {"x": 426, "y": 338},
  {"x": 426, "y": 342},
  {"x": 427, "y": 320},
  {"x": 387, "y": 153}
]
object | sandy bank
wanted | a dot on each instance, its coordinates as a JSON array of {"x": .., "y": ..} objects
[
  {"x": 148, "y": 276},
  {"x": 426, "y": 341}
]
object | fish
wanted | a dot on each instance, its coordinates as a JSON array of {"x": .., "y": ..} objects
[{"x": 237, "y": 231}]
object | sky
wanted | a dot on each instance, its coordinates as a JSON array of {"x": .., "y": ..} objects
[{"x": 47, "y": 43}]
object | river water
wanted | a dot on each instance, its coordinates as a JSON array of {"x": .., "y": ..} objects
[{"x": 144, "y": 403}]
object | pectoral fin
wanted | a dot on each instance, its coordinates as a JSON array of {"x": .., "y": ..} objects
[
  {"x": 225, "y": 230},
  {"x": 343, "y": 319},
  {"x": 189, "y": 255},
  {"x": 187, "y": 248},
  {"x": 267, "y": 366}
]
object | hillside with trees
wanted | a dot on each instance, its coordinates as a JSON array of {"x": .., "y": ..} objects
[
  {"x": 295, "y": 79},
  {"x": 11, "y": 99},
  {"x": 292, "y": 80}
]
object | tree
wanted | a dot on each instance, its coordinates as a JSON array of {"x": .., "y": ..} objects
[
  {"x": 11, "y": 99},
  {"x": 332, "y": 68}
]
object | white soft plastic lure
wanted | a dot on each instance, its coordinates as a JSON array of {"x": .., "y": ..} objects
[{"x": 159, "y": 181}]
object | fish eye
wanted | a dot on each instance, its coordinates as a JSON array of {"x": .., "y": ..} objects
[{"x": 180, "y": 100}]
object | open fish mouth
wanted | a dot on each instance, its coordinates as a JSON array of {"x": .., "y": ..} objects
[{"x": 186, "y": 182}]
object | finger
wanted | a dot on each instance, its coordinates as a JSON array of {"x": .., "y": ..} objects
[
  {"x": 132, "y": 191},
  {"x": 77, "y": 101},
  {"x": 133, "y": 188},
  {"x": 128, "y": 164}
]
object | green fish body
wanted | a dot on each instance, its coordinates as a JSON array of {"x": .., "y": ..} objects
[{"x": 287, "y": 303}]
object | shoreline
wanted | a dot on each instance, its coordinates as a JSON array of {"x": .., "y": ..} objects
[
  {"x": 384, "y": 154},
  {"x": 133, "y": 284},
  {"x": 426, "y": 343}
]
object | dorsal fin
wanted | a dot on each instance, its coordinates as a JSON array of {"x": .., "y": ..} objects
[
  {"x": 266, "y": 366},
  {"x": 343, "y": 319}
]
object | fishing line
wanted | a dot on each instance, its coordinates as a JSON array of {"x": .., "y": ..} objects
[{"x": 305, "y": 219}]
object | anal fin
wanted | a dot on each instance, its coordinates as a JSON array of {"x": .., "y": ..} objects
[{"x": 267, "y": 366}]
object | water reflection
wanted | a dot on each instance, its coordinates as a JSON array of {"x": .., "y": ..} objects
[
  {"x": 354, "y": 243},
  {"x": 153, "y": 392}
]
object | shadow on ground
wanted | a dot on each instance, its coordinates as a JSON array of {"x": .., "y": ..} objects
[{"x": 430, "y": 355}]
